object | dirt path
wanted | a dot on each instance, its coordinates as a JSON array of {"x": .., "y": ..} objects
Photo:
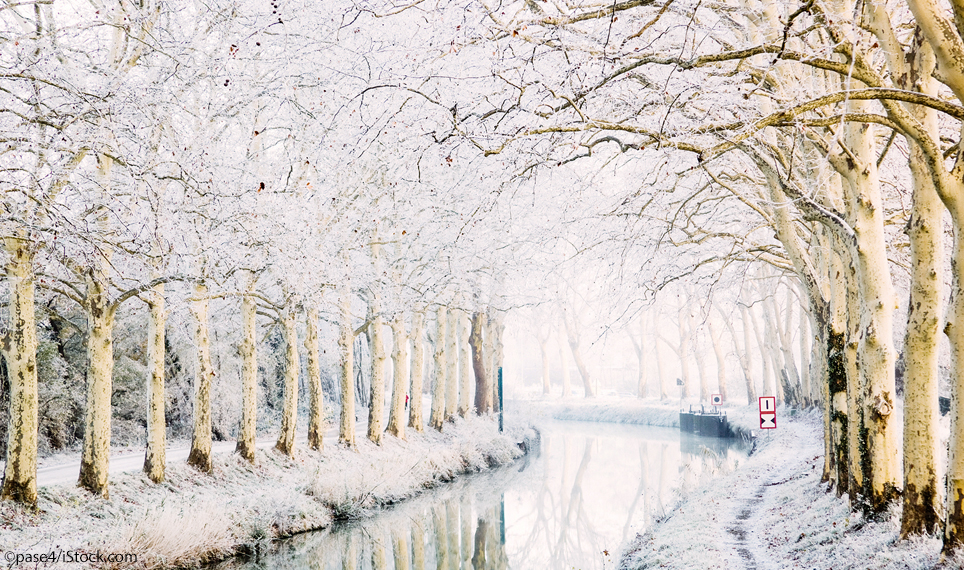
[{"x": 739, "y": 528}]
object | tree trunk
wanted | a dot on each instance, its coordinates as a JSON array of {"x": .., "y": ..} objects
[
  {"x": 316, "y": 414},
  {"x": 882, "y": 477},
  {"x": 418, "y": 372},
  {"x": 400, "y": 379},
  {"x": 769, "y": 384},
  {"x": 838, "y": 411},
  {"x": 854, "y": 391},
  {"x": 805, "y": 351},
  {"x": 451, "y": 365},
  {"x": 572, "y": 334},
  {"x": 249, "y": 373},
  {"x": 639, "y": 348},
  {"x": 720, "y": 359},
  {"x": 289, "y": 408},
  {"x": 95, "y": 456},
  {"x": 20, "y": 352},
  {"x": 200, "y": 455},
  {"x": 465, "y": 365},
  {"x": 564, "y": 363},
  {"x": 684, "y": 353},
  {"x": 663, "y": 373},
  {"x": 403, "y": 559},
  {"x": 544, "y": 359},
  {"x": 498, "y": 355},
  {"x": 483, "y": 392},
  {"x": 155, "y": 455},
  {"x": 346, "y": 349},
  {"x": 418, "y": 545},
  {"x": 376, "y": 405},
  {"x": 437, "y": 417},
  {"x": 770, "y": 324},
  {"x": 786, "y": 348},
  {"x": 954, "y": 329},
  {"x": 751, "y": 393}
]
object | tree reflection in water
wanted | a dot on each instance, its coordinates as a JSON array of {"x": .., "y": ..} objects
[{"x": 587, "y": 490}]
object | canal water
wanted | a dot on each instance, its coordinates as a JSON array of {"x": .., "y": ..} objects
[{"x": 572, "y": 503}]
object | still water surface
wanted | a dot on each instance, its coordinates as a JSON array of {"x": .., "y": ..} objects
[{"x": 571, "y": 504}]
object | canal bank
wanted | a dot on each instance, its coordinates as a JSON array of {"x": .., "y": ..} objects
[
  {"x": 194, "y": 518},
  {"x": 572, "y": 502},
  {"x": 773, "y": 513}
]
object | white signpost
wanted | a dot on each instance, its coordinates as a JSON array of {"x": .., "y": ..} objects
[{"x": 768, "y": 412}]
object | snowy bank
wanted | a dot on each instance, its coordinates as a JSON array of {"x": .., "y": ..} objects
[
  {"x": 774, "y": 513},
  {"x": 743, "y": 420},
  {"x": 194, "y": 518}
]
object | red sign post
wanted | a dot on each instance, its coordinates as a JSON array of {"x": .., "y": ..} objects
[{"x": 768, "y": 412}]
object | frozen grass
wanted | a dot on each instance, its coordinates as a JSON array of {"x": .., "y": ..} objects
[
  {"x": 193, "y": 518},
  {"x": 774, "y": 513}
]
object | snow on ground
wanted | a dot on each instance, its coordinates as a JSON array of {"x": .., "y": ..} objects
[
  {"x": 193, "y": 517},
  {"x": 773, "y": 513}
]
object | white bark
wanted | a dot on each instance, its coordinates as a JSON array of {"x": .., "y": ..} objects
[
  {"x": 376, "y": 405},
  {"x": 155, "y": 455},
  {"x": 684, "y": 353},
  {"x": 720, "y": 359},
  {"x": 95, "y": 454},
  {"x": 572, "y": 334},
  {"x": 544, "y": 360},
  {"x": 400, "y": 377},
  {"x": 415, "y": 420},
  {"x": 346, "y": 340},
  {"x": 465, "y": 364},
  {"x": 662, "y": 369},
  {"x": 451, "y": 364},
  {"x": 879, "y": 432},
  {"x": 289, "y": 408},
  {"x": 316, "y": 414},
  {"x": 564, "y": 364},
  {"x": 437, "y": 418},
  {"x": 249, "y": 372},
  {"x": 20, "y": 354},
  {"x": 483, "y": 391},
  {"x": 200, "y": 455}
]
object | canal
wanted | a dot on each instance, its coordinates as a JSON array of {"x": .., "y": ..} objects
[{"x": 572, "y": 503}]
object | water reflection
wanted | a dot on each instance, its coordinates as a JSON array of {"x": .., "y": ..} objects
[{"x": 570, "y": 504}]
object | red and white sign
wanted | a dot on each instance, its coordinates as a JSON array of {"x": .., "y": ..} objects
[
  {"x": 768, "y": 412},
  {"x": 716, "y": 399}
]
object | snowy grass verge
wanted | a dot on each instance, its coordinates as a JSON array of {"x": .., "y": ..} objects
[
  {"x": 774, "y": 513},
  {"x": 194, "y": 518}
]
